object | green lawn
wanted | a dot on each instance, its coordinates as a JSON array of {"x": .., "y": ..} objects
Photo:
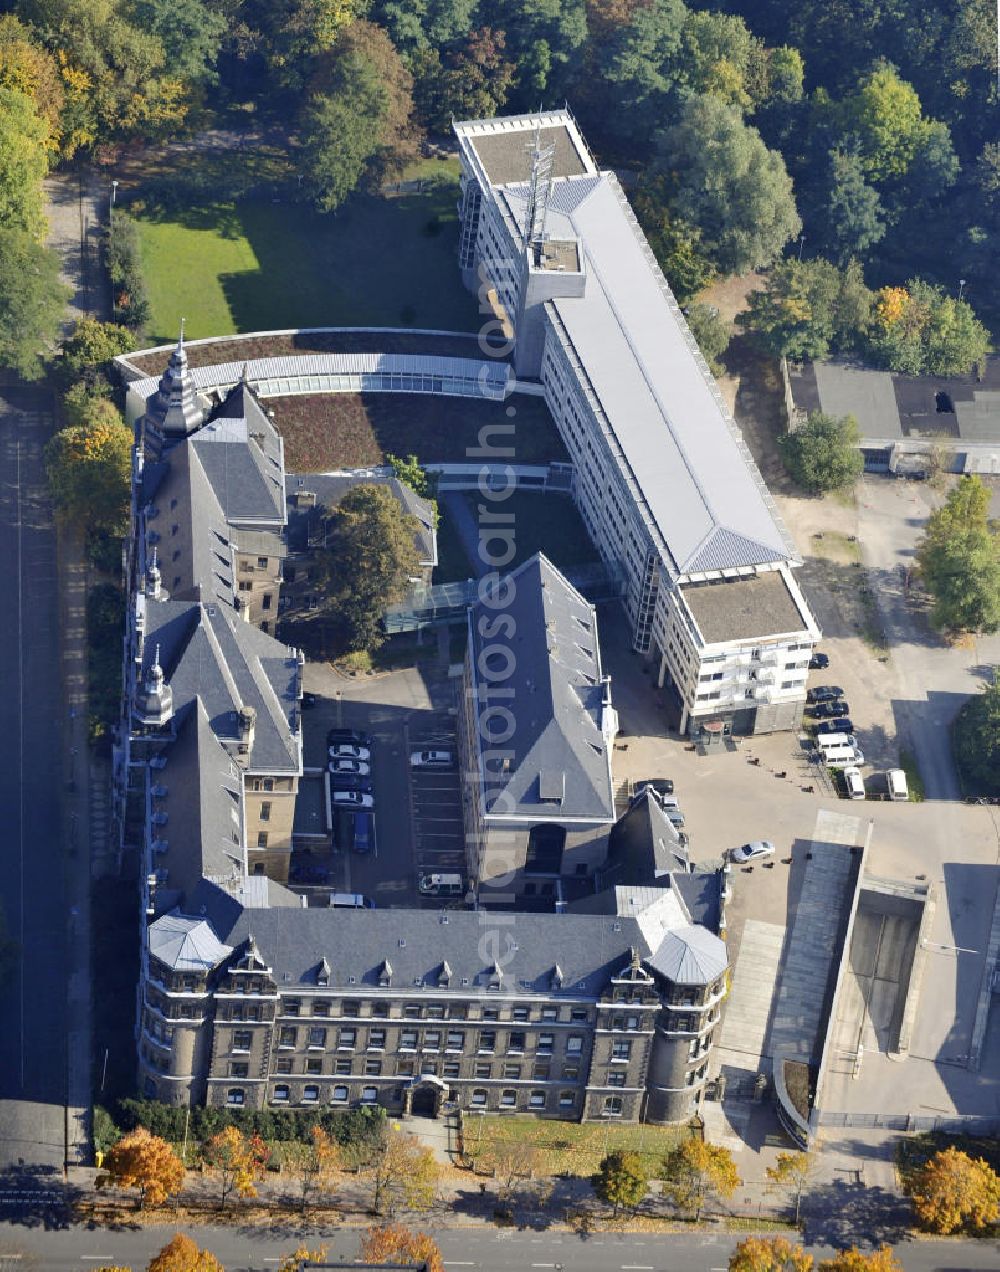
[
  {"x": 568, "y": 1148},
  {"x": 259, "y": 265}
]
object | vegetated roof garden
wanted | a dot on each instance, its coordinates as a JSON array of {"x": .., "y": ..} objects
[
  {"x": 328, "y": 431},
  {"x": 283, "y": 344}
]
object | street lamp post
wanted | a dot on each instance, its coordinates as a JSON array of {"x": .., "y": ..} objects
[
  {"x": 961, "y": 288},
  {"x": 112, "y": 199},
  {"x": 802, "y": 240}
]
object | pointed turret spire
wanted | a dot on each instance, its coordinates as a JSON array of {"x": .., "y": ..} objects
[
  {"x": 176, "y": 409},
  {"x": 154, "y": 703},
  {"x": 153, "y": 579}
]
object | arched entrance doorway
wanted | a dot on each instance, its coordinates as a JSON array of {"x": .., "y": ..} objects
[{"x": 424, "y": 1096}]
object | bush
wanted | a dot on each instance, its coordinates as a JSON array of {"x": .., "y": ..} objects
[
  {"x": 105, "y": 1133},
  {"x": 131, "y": 298},
  {"x": 976, "y": 741},
  {"x": 711, "y": 333},
  {"x": 822, "y": 454}
]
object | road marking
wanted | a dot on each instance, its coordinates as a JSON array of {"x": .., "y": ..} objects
[
  {"x": 637, "y": 1267},
  {"x": 452, "y": 1263}
]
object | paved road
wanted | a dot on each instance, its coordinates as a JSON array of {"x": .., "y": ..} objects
[
  {"x": 249, "y": 1250},
  {"x": 32, "y": 1009}
]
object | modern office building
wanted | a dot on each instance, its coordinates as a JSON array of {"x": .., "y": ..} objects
[{"x": 663, "y": 479}]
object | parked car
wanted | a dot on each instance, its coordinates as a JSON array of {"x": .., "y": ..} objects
[
  {"x": 824, "y": 693},
  {"x": 662, "y": 786},
  {"x": 364, "y": 832},
  {"x": 432, "y": 759},
  {"x": 349, "y": 751},
  {"x": 347, "y": 768},
  {"x": 819, "y": 661},
  {"x": 854, "y": 783},
  {"x": 753, "y": 851},
  {"x": 441, "y": 885},
  {"x": 829, "y": 710},
  {"x": 352, "y": 799},
  {"x": 843, "y": 725}
]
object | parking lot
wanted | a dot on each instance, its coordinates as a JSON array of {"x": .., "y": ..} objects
[
  {"x": 417, "y": 814},
  {"x": 436, "y": 798}
]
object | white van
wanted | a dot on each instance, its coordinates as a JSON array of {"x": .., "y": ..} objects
[
  {"x": 350, "y": 901},
  {"x": 844, "y": 756},
  {"x": 854, "y": 783},
  {"x": 441, "y": 885},
  {"x": 895, "y": 779},
  {"x": 828, "y": 740}
]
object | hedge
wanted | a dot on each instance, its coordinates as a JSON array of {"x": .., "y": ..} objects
[
  {"x": 127, "y": 283},
  {"x": 357, "y": 1129}
]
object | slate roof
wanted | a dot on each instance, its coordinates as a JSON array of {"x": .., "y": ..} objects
[
  {"x": 197, "y": 809},
  {"x": 674, "y": 437},
  {"x": 330, "y": 488},
  {"x": 644, "y": 843},
  {"x": 561, "y": 765},
  {"x": 241, "y": 453},
  {"x": 188, "y": 527},
  {"x": 186, "y": 944},
  {"x": 206, "y": 653},
  {"x": 588, "y": 949}
]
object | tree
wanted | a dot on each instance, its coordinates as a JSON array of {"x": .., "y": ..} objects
[
  {"x": 313, "y": 1164},
  {"x": 977, "y": 741},
  {"x": 793, "y": 1170},
  {"x": 853, "y": 1260},
  {"x": 191, "y": 33},
  {"x": 635, "y": 51},
  {"x": 674, "y": 242},
  {"x": 885, "y": 115},
  {"x": 769, "y": 1254},
  {"x": 369, "y": 556},
  {"x": 24, "y": 161},
  {"x": 90, "y": 348},
  {"x": 823, "y": 454},
  {"x": 794, "y": 315},
  {"x": 621, "y": 1181},
  {"x": 696, "y": 1168},
  {"x": 238, "y": 1159},
  {"x": 89, "y": 469},
  {"x": 711, "y": 333},
  {"x": 468, "y": 82},
  {"x": 300, "y": 1255},
  {"x": 849, "y": 218},
  {"x": 357, "y": 121},
  {"x": 402, "y": 1170},
  {"x": 392, "y": 1243},
  {"x": 181, "y": 1254},
  {"x": 32, "y": 302},
  {"x": 410, "y": 473},
  {"x": 30, "y": 69},
  {"x": 958, "y": 557},
  {"x": 510, "y": 1161},
  {"x": 145, "y": 1162},
  {"x": 953, "y": 1190},
  {"x": 917, "y": 329},
  {"x": 724, "y": 180}
]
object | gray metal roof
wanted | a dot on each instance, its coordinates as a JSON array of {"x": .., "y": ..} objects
[
  {"x": 560, "y": 700},
  {"x": 866, "y": 394},
  {"x": 186, "y": 944},
  {"x": 697, "y": 478},
  {"x": 241, "y": 453},
  {"x": 644, "y": 844},
  {"x": 690, "y": 956},
  {"x": 206, "y": 653}
]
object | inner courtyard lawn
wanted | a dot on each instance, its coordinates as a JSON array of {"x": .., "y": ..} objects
[{"x": 256, "y": 265}]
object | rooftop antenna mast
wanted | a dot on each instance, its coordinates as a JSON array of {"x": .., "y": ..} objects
[{"x": 540, "y": 188}]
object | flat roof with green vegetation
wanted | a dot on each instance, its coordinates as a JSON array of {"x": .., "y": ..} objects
[
  {"x": 568, "y": 1148},
  {"x": 326, "y": 431},
  {"x": 381, "y": 260}
]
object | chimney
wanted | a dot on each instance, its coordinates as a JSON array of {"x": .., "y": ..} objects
[{"x": 246, "y": 719}]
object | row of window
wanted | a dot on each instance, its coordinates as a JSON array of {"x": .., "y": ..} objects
[
  {"x": 428, "y": 1011},
  {"x": 346, "y": 1039}
]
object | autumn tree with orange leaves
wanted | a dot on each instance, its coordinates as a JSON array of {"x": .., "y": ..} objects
[
  {"x": 145, "y": 1162},
  {"x": 392, "y": 1243},
  {"x": 855, "y": 1260},
  {"x": 181, "y": 1254},
  {"x": 953, "y": 1190},
  {"x": 89, "y": 468},
  {"x": 239, "y": 1160},
  {"x": 769, "y": 1254}
]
